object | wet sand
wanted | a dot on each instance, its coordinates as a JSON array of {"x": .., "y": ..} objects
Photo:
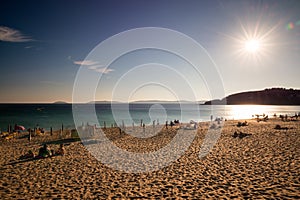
[{"x": 265, "y": 164}]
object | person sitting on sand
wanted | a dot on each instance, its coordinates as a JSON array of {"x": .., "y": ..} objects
[
  {"x": 61, "y": 150},
  {"x": 171, "y": 124},
  {"x": 44, "y": 151},
  {"x": 30, "y": 154}
]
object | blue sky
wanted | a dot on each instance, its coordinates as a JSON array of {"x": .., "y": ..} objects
[{"x": 43, "y": 43}]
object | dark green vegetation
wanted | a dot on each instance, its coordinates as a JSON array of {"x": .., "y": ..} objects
[{"x": 273, "y": 96}]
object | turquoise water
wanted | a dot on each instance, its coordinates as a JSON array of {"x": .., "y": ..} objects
[{"x": 54, "y": 115}]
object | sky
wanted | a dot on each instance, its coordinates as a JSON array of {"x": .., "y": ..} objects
[{"x": 72, "y": 50}]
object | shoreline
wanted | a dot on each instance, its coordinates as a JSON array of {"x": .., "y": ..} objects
[{"x": 47, "y": 116}]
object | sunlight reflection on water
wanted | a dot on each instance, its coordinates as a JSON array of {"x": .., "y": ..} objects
[{"x": 247, "y": 111}]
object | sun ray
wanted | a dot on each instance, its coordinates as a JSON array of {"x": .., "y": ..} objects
[
  {"x": 270, "y": 31},
  {"x": 254, "y": 43},
  {"x": 257, "y": 25}
]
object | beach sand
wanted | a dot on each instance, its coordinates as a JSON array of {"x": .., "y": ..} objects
[{"x": 263, "y": 165}]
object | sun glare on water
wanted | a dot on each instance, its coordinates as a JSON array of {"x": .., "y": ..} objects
[{"x": 247, "y": 111}]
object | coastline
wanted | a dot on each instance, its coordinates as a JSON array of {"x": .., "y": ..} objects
[
  {"x": 54, "y": 115},
  {"x": 264, "y": 164}
]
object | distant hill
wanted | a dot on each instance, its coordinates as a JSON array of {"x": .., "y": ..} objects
[
  {"x": 165, "y": 102},
  {"x": 147, "y": 102},
  {"x": 103, "y": 102},
  {"x": 273, "y": 96},
  {"x": 60, "y": 102}
]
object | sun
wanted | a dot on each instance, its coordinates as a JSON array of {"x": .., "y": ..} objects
[
  {"x": 253, "y": 41},
  {"x": 252, "y": 45}
]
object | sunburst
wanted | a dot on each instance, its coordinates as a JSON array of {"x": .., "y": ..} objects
[
  {"x": 253, "y": 45},
  {"x": 254, "y": 42}
]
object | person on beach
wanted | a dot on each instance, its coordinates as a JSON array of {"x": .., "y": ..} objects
[
  {"x": 195, "y": 126},
  {"x": 29, "y": 155},
  {"x": 61, "y": 151},
  {"x": 171, "y": 124},
  {"x": 44, "y": 152},
  {"x": 15, "y": 128}
]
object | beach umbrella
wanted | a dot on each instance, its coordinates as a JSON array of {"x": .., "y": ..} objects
[{"x": 20, "y": 128}]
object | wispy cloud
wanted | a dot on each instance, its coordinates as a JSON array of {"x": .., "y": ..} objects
[
  {"x": 101, "y": 70},
  {"x": 93, "y": 65},
  {"x": 12, "y": 35},
  {"x": 85, "y": 62}
]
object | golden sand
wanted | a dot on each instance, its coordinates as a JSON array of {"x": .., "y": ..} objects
[{"x": 265, "y": 164}]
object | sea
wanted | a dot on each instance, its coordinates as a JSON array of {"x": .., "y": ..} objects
[{"x": 58, "y": 115}]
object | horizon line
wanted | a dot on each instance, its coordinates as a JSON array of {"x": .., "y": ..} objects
[{"x": 102, "y": 101}]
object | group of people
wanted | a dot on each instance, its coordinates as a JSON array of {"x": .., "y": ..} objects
[
  {"x": 45, "y": 152},
  {"x": 286, "y": 117},
  {"x": 36, "y": 130},
  {"x": 176, "y": 122}
]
